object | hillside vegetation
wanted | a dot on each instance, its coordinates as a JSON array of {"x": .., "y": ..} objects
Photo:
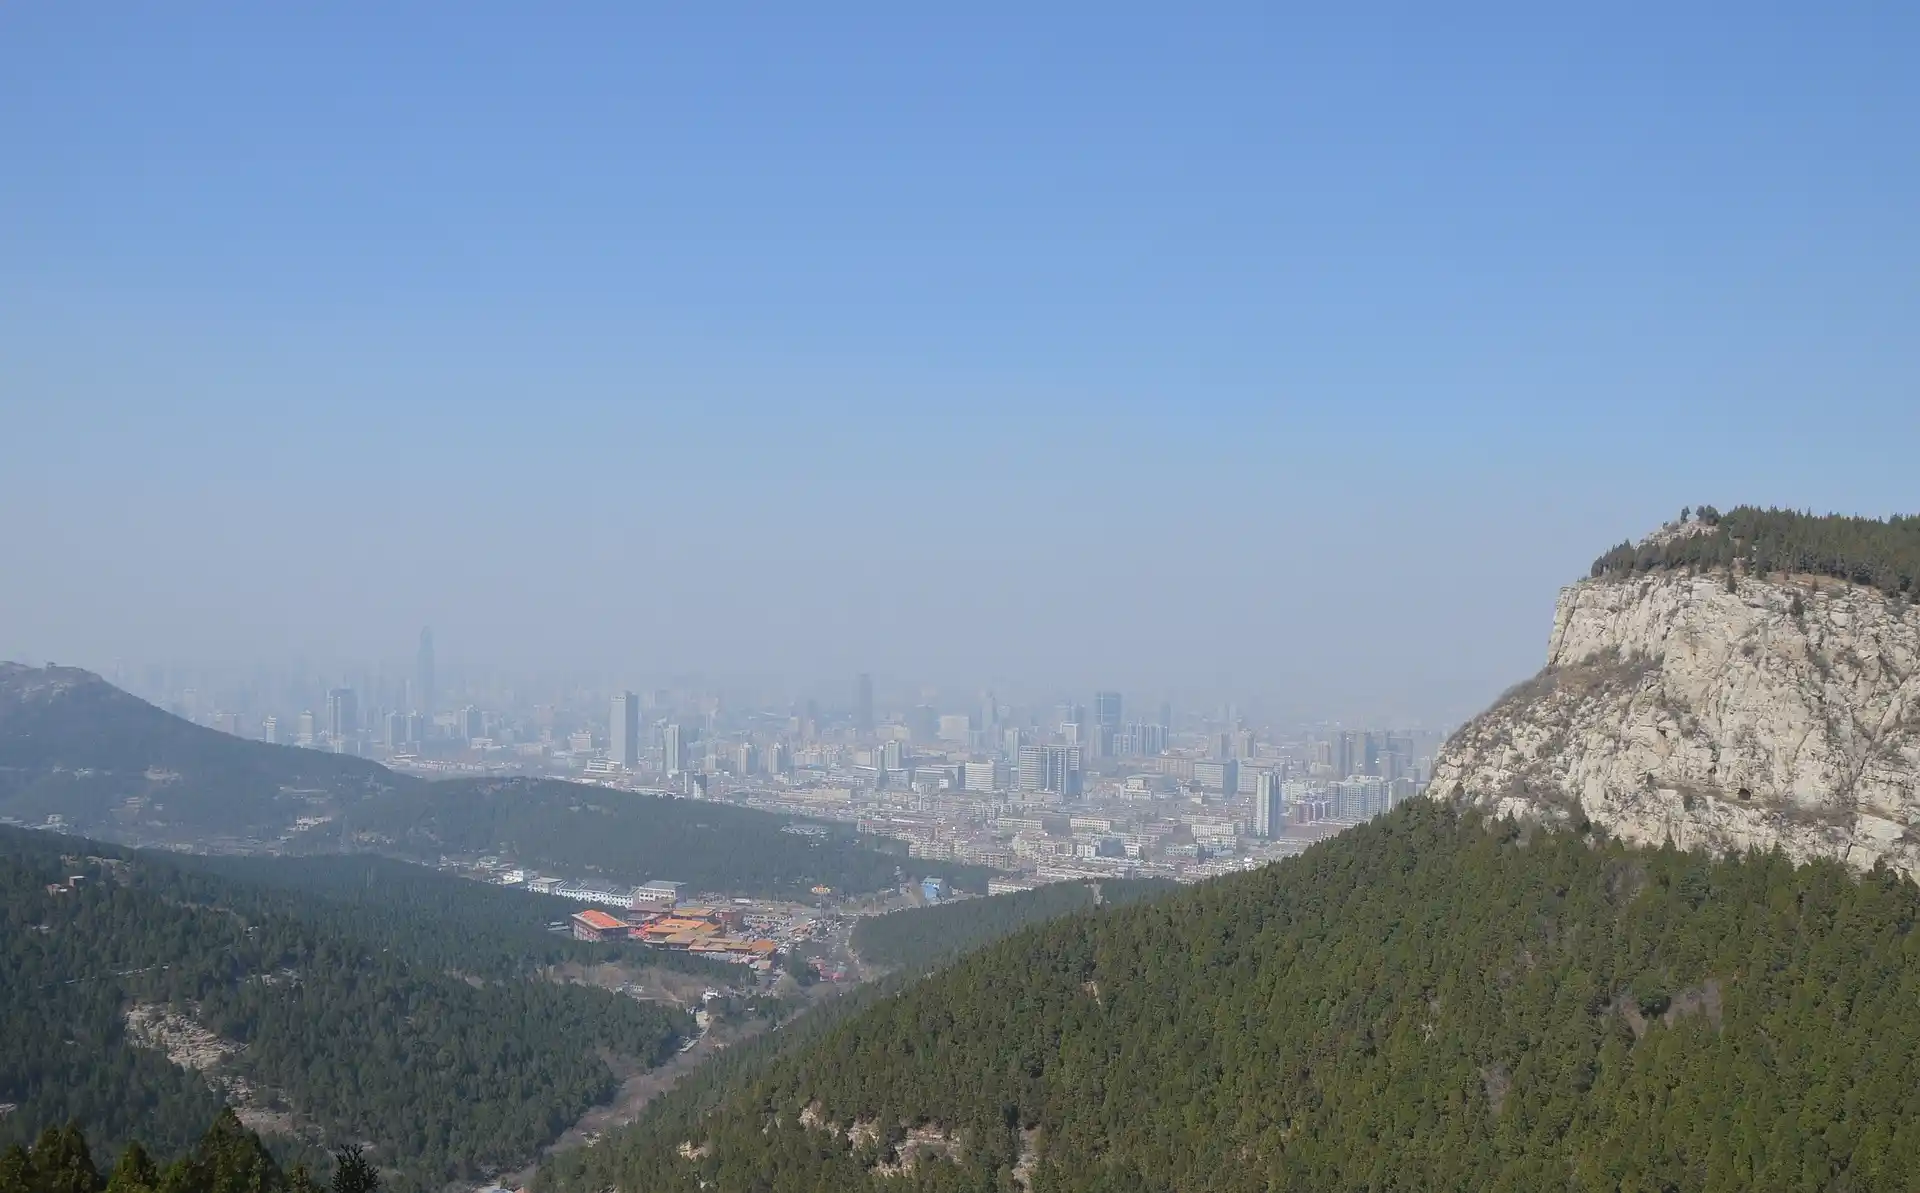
[
  {"x": 392, "y": 1037},
  {"x": 1431, "y": 1001},
  {"x": 921, "y": 936},
  {"x": 228, "y": 1158},
  {"x": 1877, "y": 553},
  {"x": 628, "y": 836}
]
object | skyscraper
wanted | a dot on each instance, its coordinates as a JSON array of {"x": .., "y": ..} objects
[
  {"x": 673, "y": 752},
  {"x": 343, "y": 714},
  {"x": 623, "y": 731},
  {"x": 1269, "y": 805},
  {"x": 1054, "y": 769},
  {"x": 423, "y": 693},
  {"x": 863, "y": 704},
  {"x": 1106, "y": 723}
]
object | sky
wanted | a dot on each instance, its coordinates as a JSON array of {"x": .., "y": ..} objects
[{"x": 1290, "y": 355}]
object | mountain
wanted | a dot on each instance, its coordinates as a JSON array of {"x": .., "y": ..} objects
[
  {"x": 1742, "y": 681},
  {"x": 349, "y": 1002},
  {"x": 109, "y": 763},
  {"x": 114, "y": 767},
  {"x": 1435, "y": 1000}
]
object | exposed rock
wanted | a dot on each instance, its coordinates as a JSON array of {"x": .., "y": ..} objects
[{"x": 1769, "y": 712}]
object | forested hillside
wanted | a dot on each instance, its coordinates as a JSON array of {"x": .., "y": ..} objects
[
  {"x": 628, "y": 837},
  {"x": 434, "y": 919},
  {"x": 1430, "y": 1001},
  {"x": 920, "y": 936},
  {"x": 115, "y": 959}
]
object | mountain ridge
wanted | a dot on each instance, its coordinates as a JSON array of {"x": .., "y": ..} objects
[{"x": 1717, "y": 705}]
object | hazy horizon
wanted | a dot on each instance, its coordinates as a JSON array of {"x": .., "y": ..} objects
[{"x": 1290, "y": 360}]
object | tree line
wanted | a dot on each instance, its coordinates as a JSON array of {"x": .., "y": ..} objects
[
  {"x": 917, "y": 937},
  {"x": 228, "y": 1158},
  {"x": 1874, "y": 552}
]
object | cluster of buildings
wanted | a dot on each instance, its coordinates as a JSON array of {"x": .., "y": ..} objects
[{"x": 714, "y": 932}]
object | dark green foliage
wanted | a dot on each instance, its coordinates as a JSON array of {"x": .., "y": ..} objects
[
  {"x": 922, "y": 936},
  {"x": 227, "y": 1159},
  {"x": 625, "y": 836},
  {"x": 353, "y": 1172},
  {"x": 1430, "y": 1001},
  {"x": 447, "y": 1074},
  {"x": 1883, "y": 554},
  {"x": 438, "y": 920}
]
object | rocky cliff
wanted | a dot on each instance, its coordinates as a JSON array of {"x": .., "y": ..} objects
[{"x": 1758, "y": 712}]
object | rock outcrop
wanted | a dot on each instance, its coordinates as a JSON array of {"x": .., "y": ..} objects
[{"x": 1759, "y": 712}]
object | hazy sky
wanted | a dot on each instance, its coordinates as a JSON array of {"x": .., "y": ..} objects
[{"x": 1195, "y": 348}]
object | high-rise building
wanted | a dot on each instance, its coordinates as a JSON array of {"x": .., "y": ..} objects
[
  {"x": 473, "y": 724},
  {"x": 863, "y": 704},
  {"x": 623, "y": 731},
  {"x": 779, "y": 759},
  {"x": 1054, "y": 769},
  {"x": 1269, "y": 805},
  {"x": 343, "y": 714},
  {"x": 891, "y": 757},
  {"x": 673, "y": 751},
  {"x": 983, "y": 776},
  {"x": 423, "y": 679},
  {"x": 924, "y": 723},
  {"x": 746, "y": 759},
  {"x": 305, "y": 733},
  {"x": 1106, "y": 722},
  {"x": 396, "y": 730},
  {"x": 270, "y": 731}
]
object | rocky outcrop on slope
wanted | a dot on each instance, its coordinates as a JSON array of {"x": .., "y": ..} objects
[{"x": 1715, "y": 714}]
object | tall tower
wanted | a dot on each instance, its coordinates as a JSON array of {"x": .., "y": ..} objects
[
  {"x": 863, "y": 703},
  {"x": 424, "y": 695},
  {"x": 673, "y": 756},
  {"x": 1269, "y": 805},
  {"x": 623, "y": 731},
  {"x": 343, "y": 714},
  {"x": 1106, "y": 722}
]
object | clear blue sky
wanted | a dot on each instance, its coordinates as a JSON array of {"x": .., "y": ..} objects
[{"x": 1202, "y": 347}]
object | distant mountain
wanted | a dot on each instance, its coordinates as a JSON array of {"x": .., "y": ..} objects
[
  {"x": 117, "y": 768},
  {"x": 111, "y": 764},
  {"x": 1432, "y": 1001},
  {"x": 1736, "y": 681}
]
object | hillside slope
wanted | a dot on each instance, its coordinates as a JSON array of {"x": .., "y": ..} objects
[
  {"x": 1431, "y": 1001},
  {"x": 1694, "y": 694},
  {"x": 110, "y": 764},
  {"x": 139, "y": 997}
]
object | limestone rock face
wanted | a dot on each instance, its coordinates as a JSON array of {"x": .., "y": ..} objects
[{"x": 1774, "y": 712}]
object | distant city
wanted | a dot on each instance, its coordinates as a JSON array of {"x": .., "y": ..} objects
[{"x": 1115, "y": 786}]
